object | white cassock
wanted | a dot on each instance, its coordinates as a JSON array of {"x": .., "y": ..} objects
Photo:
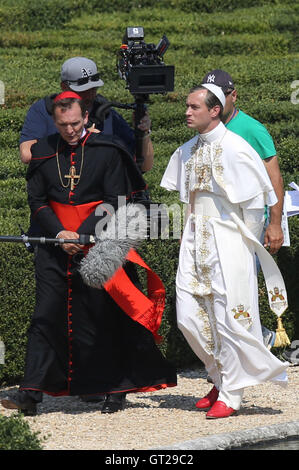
[{"x": 225, "y": 183}]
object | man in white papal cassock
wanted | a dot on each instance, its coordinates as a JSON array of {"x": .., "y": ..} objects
[{"x": 224, "y": 182}]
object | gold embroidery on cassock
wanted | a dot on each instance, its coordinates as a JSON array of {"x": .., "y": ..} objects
[
  {"x": 200, "y": 168},
  {"x": 242, "y": 316},
  {"x": 204, "y": 162}
]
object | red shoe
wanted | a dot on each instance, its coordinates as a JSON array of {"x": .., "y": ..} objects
[
  {"x": 220, "y": 410},
  {"x": 208, "y": 400}
]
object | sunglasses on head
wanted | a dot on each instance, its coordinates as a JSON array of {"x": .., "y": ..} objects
[
  {"x": 84, "y": 80},
  {"x": 228, "y": 92}
]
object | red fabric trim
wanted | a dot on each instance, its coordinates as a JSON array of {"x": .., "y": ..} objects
[
  {"x": 146, "y": 310},
  {"x": 88, "y": 134},
  {"x": 72, "y": 217},
  {"x": 150, "y": 388},
  {"x": 140, "y": 190},
  {"x": 69, "y": 322},
  {"x": 47, "y": 156},
  {"x": 37, "y": 210},
  {"x": 86, "y": 137},
  {"x": 53, "y": 394}
]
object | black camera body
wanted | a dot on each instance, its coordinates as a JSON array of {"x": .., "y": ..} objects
[{"x": 141, "y": 64}]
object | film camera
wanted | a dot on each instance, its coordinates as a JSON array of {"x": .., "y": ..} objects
[
  {"x": 142, "y": 67},
  {"x": 141, "y": 64}
]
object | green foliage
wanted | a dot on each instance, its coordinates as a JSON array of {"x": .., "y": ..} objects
[
  {"x": 162, "y": 257},
  {"x": 17, "y": 299},
  {"x": 253, "y": 40},
  {"x": 15, "y": 434}
]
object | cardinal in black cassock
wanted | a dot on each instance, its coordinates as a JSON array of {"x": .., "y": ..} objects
[{"x": 84, "y": 340}]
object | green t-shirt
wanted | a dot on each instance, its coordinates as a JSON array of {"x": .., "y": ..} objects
[{"x": 254, "y": 133}]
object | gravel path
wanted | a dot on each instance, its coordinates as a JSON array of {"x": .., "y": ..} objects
[{"x": 158, "y": 419}]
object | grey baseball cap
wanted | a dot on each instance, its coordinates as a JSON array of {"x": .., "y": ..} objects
[{"x": 80, "y": 74}]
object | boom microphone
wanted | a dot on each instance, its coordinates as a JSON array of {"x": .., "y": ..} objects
[
  {"x": 125, "y": 230},
  {"x": 82, "y": 240}
]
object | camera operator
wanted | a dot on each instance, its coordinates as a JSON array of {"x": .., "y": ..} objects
[{"x": 80, "y": 75}]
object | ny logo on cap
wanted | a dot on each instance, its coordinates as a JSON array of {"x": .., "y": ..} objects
[
  {"x": 86, "y": 72},
  {"x": 211, "y": 78}
]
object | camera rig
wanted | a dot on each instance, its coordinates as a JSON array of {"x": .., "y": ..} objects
[
  {"x": 141, "y": 64},
  {"x": 142, "y": 67}
]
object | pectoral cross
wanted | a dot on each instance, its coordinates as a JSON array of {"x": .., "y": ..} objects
[{"x": 72, "y": 175}]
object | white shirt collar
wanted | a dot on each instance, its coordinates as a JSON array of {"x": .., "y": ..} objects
[
  {"x": 82, "y": 135},
  {"x": 214, "y": 134}
]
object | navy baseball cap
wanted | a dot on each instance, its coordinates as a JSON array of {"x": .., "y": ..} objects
[{"x": 220, "y": 78}]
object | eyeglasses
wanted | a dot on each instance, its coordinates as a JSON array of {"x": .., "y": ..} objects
[
  {"x": 84, "y": 80},
  {"x": 228, "y": 92}
]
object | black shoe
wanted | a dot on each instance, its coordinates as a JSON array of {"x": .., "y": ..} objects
[
  {"x": 28, "y": 408},
  {"x": 92, "y": 398},
  {"x": 114, "y": 402}
]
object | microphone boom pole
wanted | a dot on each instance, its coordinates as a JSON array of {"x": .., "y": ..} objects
[{"x": 82, "y": 240}]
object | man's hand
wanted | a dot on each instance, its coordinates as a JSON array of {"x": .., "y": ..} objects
[
  {"x": 70, "y": 248},
  {"x": 274, "y": 234},
  {"x": 273, "y": 238},
  {"x": 94, "y": 129},
  {"x": 145, "y": 123},
  {"x": 25, "y": 150},
  {"x": 147, "y": 146}
]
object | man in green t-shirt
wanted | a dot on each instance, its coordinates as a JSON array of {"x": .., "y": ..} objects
[{"x": 259, "y": 138}]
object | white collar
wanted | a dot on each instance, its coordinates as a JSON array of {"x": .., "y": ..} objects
[
  {"x": 82, "y": 135},
  {"x": 214, "y": 134}
]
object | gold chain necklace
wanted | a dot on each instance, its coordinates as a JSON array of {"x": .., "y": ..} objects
[{"x": 72, "y": 172}]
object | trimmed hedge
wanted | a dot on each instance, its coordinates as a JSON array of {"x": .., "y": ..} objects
[
  {"x": 253, "y": 40},
  {"x": 52, "y": 14},
  {"x": 15, "y": 434}
]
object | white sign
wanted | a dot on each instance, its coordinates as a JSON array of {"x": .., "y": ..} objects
[{"x": 292, "y": 200}]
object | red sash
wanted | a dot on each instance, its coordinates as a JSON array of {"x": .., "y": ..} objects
[
  {"x": 146, "y": 310},
  {"x": 72, "y": 217}
]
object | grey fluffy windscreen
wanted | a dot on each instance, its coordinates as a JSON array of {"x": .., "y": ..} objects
[{"x": 125, "y": 230}]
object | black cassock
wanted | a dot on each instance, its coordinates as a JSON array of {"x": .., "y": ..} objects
[{"x": 80, "y": 341}]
